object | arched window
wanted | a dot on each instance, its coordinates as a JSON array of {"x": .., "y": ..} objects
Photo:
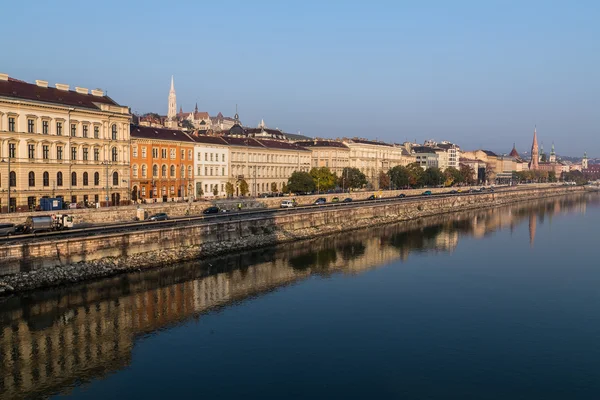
[
  {"x": 114, "y": 154},
  {"x": 183, "y": 171},
  {"x": 115, "y": 178},
  {"x": 114, "y": 132},
  {"x": 172, "y": 171},
  {"x": 85, "y": 179},
  {"x": 190, "y": 172},
  {"x": 134, "y": 170},
  {"x": 46, "y": 179},
  {"x": 74, "y": 179},
  {"x": 164, "y": 171},
  {"x": 155, "y": 171},
  {"x": 31, "y": 179},
  {"x": 144, "y": 172},
  {"x": 59, "y": 181},
  {"x": 96, "y": 178},
  {"x": 12, "y": 179}
]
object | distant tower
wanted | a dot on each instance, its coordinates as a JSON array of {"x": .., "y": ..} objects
[
  {"x": 262, "y": 124},
  {"x": 172, "y": 101},
  {"x": 552, "y": 154},
  {"x": 542, "y": 156},
  {"x": 533, "y": 164},
  {"x": 584, "y": 161},
  {"x": 236, "y": 117}
]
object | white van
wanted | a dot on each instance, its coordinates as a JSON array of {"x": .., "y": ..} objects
[{"x": 287, "y": 204}]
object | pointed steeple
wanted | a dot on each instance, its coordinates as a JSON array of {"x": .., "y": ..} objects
[
  {"x": 172, "y": 113},
  {"x": 584, "y": 161},
  {"x": 552, "y": 150},
  {"x": 533, "y": 164},
  {"x": 172, "y": 84},
  {"x": 236, "y": 117},
  {"x": 196, "y": 109}
]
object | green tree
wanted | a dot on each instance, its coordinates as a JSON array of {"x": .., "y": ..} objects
[
  {"x": 552, "y": 176},
  {"x": 301, "y": 182},
  {"x": 244, "y": 187},
  {"x": 399, "y": 176},
  {"x": 323, "y": 178},
  {"x": 352, "y": 178},
  {"x": 229, "y": 189},
  {"x": 273, "y": 187},
  {"x": 452, "y": 176},
  {"x": 285, "y": 189},
  {"x": 433, "y": 176},
  {"x": 384, "y": 180},
  {"x": 416, "y": 175},
  {"x": 216, "y": 190},
  {"x": 187, "y": 125}
]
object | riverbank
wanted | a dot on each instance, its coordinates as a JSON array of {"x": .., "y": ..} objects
[{"x": 45, "y": 264}]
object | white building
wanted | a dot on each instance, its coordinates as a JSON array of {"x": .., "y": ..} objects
[{"x": 211, "y": 164}]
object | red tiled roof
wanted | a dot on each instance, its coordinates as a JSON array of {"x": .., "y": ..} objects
[
  {"x": 149, "y": 132},
  {"x": 321, "y": 143},
  {"x": 239, "y": 141},
  {"x": 15, "y": 88},
  {"x": 209, "y": 139},
  {"x": 277, "y": 144}
]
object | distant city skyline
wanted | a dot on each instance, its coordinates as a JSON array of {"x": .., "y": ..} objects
[{"x": 481, "y": 75}]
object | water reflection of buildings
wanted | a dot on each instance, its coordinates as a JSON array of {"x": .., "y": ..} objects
[{"x": 55, "y": 339}]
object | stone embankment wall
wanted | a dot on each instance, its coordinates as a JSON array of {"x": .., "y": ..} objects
[{"x": 106, "y": 254}]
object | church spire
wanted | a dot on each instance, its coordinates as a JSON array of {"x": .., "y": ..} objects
[
  {"x": 196, "y": 109},
  {"x": 172, "y": 85},
  {"x": 172, "y": 113},
  {"x": 533, "y": 164}
]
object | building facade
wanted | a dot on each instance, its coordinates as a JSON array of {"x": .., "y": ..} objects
[
  {"x": 211, "y": 165},
  {"x": 372, "y": 157},
  {"x": 162, "y": 164},
  {"x": 332, "y": 154},
  {"x": 61, "y": 143}
]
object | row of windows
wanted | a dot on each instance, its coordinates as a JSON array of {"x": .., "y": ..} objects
[
  {"x": 163, "y": 153},
  {"x": 211, "y": 171},
  {"x": 59, "y": 179},
  {"x": 275, "y": 172},
  {"x": 85, "y": 128},
  {"x": 144, "y": 171},
  {"x": 275, "y": 158},
  {"x": 211, "y": 157},
  {"x": 85, "y": 152}
]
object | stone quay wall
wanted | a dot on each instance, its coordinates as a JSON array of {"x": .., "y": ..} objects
[{"x": 70, "y": 260}]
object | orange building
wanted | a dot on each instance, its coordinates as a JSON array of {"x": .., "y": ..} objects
[{"x": 162, "y": 164}]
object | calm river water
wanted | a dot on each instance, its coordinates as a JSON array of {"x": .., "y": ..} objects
[{"x": 496, "y": 304}]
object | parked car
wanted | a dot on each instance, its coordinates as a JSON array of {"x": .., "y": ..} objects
[
  {"x": 158, "y": 217},
  {"x": 426, "y": 193},
  {"x": 211, "y": 210},
  {"x": 320, "y": 200},
  {"x": 287, "y": 204},
  {"x": 371, "y": 197},
  {"x": 459, "y": 191},
  {"x": 335, "y": 200},
  {"x": 7, "y": 229},
  {"x": 453, "y": 192},
  {"x": 401, "y": 195},
  {"x": 347, "y": 200}
]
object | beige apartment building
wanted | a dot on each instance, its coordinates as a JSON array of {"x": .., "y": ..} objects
[
  {"x": 372, "y": 157},
  {"x": 332, "y": 154},
  {"x": 62, "y": 143}
]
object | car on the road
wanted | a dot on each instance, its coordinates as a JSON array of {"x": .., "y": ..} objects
[
  {"x": 426, "y": 193},
  {"x": 453, "y": 192},
  {"x": 320, "y": 200},
  {"x": 211, "y": 210},
  {"x": 347, "y": 200},
  {"x": 371, "y": 197},
  {"x": 159, "y": 217},
  {"x": 459, "y": 190},
  {"x": 401, "y": 196},
  {"x": 335, "y": 200},
  {"x": 7, "y": 229},
  {"x": 287, "y": 204}
]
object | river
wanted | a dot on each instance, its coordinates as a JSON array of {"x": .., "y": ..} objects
[{"x": 494, "y": 304}]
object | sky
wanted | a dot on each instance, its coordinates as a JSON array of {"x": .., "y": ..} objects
[{"x": 481, "y": 74}]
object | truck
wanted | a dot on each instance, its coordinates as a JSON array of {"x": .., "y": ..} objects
[
  {"x": 51, "y": 204},
  {"x": 47, "y": 223}
]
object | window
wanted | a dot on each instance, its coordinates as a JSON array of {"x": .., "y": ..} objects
[
  {"x": 11, "y": 124},
  {"x": 206, "y": 171},
  {"x": 164, "y": 153},
  {"x": 144, "y": 171},
  {"x": 223, "y": 157},
  {"x": 182, "y": 172},
  {"x": 31, "y": 151},
  {"x": 96, "y": 178},
  {"x": 211, "y": 156},
  {"x": 46, "y": 179},
  {"x": 205, "y": 156},
  {"x": 74, "y": 179},
  {"x": 190, "y": 154},
  {"x": 134, "y": 170},
  {"x": 154, "y": 152},
  {"x": 85, "y": 153},
  {"x": 144, "y": 191},
  {"x": 73, "y": 153},
  {"x": 223, "y": 171},
  {"x": 172, "y": 190},
  {"x": 59, "y": 128},
  {"x": 155, "y": 171},
  {"x": 211, "y": 171},
  {"x": 30, "y": 126},
  {"x": 115, "y": 178},
  {"x": 114, "y": 154},
  {"x": 31, "y": 179},
  {"x": 73, "y": 130},
  {"x": 199, "y": 156},
  {"x": 59, "y": 179},
  {"x": 190, "y": 170},
  {"x": 114, "y": 132},
  {"x": 143, "y": 152},
  {"x": 96, "y": 154},
  {"x": 172, "y": 154},
  {"x": 12, "y": 150},
  {"x": 46, "y": 152},
  {"x": 96, "y": 132},
  {"x": 183, "y": 154},
  {"x": 164, "y": 171},
  {"x": 59, "y": 152},
  {"x": 85, "y": 131},
  {"x": 12, "y": 178},
  {"x": 85, "y": 179},
  {"x": 134, "y": 151},
  {"x": 45, "y": 127},
  {"x": 172, "y": 171}
]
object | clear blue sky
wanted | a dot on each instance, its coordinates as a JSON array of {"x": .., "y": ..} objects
[{"x": 480, "y": 73}]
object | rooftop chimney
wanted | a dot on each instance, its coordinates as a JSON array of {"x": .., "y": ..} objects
[
  {"x": 62, "y": 86},
  {"x": 43, "y": 84},
  {"x": 3, "y": 77},
  {"x": 98, "y": 92},
  {"x": 81, "y": 90}
]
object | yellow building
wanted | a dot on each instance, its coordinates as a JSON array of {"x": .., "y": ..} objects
[
  {"x": 62, "y": 143},
  {"x": 332, "y": 154}
]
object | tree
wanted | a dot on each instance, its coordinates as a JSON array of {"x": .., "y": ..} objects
[
  {"x": 229, "y": 189},
  {"x": 285, "y": 189},
  {"x": 416, "y": 174},
  {"x": 273, "y": 187},
  {"x": 216, "y": 190},
  {"x": 468, "y": 174},
  {"x": 243, "y": 187},
  {"x": 433, "y": 176},
  {"x": 384, "y": 180},
  {"x": 399, "y": 176},
  {"x": 552, "y": 176},
  {"x": 490, "y": 174},
  {"x": 187, "y": 125},
  {"x": 352, "y": 178},
  {"x": 323, "y": 178},
  {"x": 452, "y": 176},
  {"x": 301, "y": 182}
]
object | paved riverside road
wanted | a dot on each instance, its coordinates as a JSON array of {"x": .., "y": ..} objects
[{"x": 213, "y": 218}]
